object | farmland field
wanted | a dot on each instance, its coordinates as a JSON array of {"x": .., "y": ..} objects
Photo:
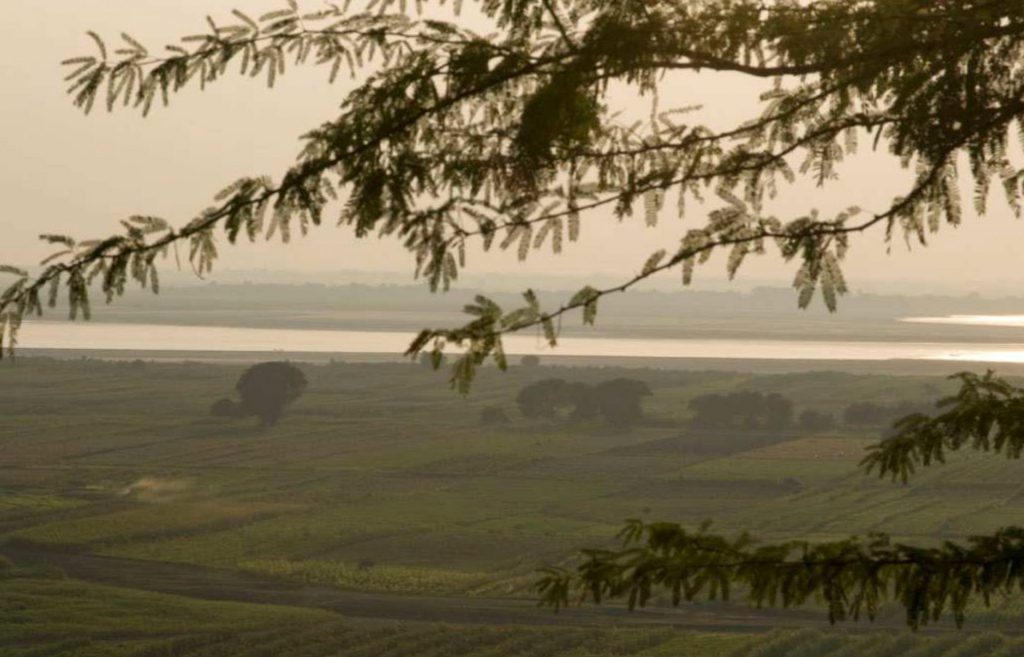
[{"x": 381, "y": 483}]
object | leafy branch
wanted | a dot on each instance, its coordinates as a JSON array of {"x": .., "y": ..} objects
[
  {"x": 260, "y": 46},
  {"x": 852, "y": 577},
  {"x": 511, "y": 138},
  {"x": 820, "y": 245},
  {"x": 986, "y": 414}
]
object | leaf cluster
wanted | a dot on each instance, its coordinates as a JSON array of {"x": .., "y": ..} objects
[
  {"x": 986, "y": 414},
  {"x": 851, "y": 577}
]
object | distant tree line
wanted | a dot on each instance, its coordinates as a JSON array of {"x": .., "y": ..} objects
[
  {"x": 618, "y": 401},
  {"x": 742, "y": 410},
  {"x": 870, "y": 414},
  {"x": 751, "y": 410},
  {"x": 432, "y": 361}
]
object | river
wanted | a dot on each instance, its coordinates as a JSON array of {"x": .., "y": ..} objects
[{"x": 153, "y": 337}]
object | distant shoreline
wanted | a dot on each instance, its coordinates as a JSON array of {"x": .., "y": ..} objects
[{"x": 896, "y": 367}]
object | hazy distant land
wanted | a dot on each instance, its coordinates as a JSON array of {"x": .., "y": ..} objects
[
  {"x": 384, "y": 499},
  {"x": 763, "y": 316}
]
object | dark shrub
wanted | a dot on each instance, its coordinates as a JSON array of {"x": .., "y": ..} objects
[{"x": 226, "y": 408}]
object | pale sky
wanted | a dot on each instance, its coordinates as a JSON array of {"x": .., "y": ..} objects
[{"x": 61, "y": 172}]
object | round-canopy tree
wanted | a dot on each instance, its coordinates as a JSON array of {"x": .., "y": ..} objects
[
  {"x": 512, "y": 140},
  {"x": 619, "y": 401},
  {"x": 266, "y": 389}
]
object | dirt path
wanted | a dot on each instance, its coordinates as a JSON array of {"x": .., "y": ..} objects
[{"x": 222, "y": 584}]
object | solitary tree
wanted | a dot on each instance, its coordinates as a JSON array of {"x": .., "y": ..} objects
[
  {"x": 513, "y": 140},
  {"x": 266, "y": 389}
]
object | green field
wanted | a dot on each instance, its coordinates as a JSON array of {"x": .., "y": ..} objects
[{"x": 381, "y": 481}]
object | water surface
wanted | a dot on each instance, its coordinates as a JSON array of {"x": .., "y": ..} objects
[
  {"x": 154, "y": 337},
  {"x": 1008, "y": 321}
]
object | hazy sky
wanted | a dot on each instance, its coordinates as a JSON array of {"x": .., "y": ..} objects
[{"x": 65, "y": 173}]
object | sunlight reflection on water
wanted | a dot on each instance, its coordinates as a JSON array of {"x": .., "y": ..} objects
[
  {"x": 980, "y": 353},
  {"x": 1009, "y": 321},
  {"x": 151, "y": 337}
]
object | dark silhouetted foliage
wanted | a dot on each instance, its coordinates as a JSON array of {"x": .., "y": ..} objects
[
  {"x": 267, "y": 388},
  {"x": 741, "y": 410},
  {"x": 618, "y": 401},
  {"x": 431, "y": 361},
  {"x": 541, "y": 399},
  {"x": 226, "y": 408}
]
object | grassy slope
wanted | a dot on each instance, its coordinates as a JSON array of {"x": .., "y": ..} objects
[
  {"x": 41, "y": 617},
  {"x": 380, "y": 464}
]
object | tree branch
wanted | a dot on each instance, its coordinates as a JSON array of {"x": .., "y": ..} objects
[{"x": 851, "y": 577}]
